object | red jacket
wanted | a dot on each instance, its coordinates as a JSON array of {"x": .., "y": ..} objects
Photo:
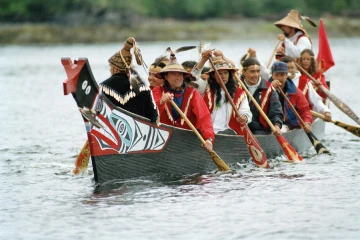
[
  {"x": 192, "y": 106},
  {"x": 298, "y": 100},
  {"x": 321, "y": 77}
]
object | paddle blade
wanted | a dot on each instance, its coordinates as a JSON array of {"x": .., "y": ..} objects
[
  {"x": 82, "y": 160},
  {"x": 340, "y": 104},
  {"x": 319, "y": 147},
  {"x": 290, "y": 152},
  {"x": 221, "y": 165},
  {"x": 353, "y": 129},
  {"x": 257, "y": 153}
]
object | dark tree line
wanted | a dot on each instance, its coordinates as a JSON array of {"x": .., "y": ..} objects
[{"x": 122, "y": 10}]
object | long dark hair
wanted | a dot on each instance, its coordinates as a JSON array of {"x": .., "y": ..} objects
[
  {"x": 231, "y": 86},
  {"x": 312, "y": 69}
]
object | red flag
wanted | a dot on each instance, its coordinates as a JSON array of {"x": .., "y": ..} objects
[{"x": 324, "y": 58}]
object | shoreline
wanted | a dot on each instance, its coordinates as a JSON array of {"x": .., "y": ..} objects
[{"x": 165, "y": 30}]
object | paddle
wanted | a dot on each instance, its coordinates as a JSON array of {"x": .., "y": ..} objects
[
  {"x": 82, "y": 160},
  {"x": 340, "y": 104},
  {"x": 319, "y": 147},
  {"x": 221, "y": 165},
  {"x": 290, "y": 152},
  {"x": 254, "y": 148},
  {"x": 350, "y": 128},
  {"x": 272, "y": 55}
]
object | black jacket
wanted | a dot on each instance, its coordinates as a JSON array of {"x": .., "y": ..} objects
[
  {"x": 141, "y": 104},
  {"x": 275, "y": 113}
]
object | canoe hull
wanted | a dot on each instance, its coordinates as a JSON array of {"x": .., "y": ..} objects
[
  {"x": 124, "y": 145},
  {"x": 183, "y": 155}
]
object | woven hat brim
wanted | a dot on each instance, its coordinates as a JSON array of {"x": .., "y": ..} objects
[
  {"x": 160, "y": 74},
  {"x": 223, "y": 68}
]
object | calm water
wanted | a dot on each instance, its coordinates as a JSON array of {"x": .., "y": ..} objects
[{"x": 42, "y": 133}]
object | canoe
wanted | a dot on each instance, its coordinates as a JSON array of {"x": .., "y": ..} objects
[{"x": 124, "y": 145}]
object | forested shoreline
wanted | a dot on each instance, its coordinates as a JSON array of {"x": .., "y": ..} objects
[{"x": 101, "y": 21}]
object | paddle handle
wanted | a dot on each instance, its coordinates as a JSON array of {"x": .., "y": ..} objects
[
  {"x": 319, "y": 115},
  {"x": 292, "y": 107},
  {"x": 187, "y": 121},
  {"x": 340, "y": 104},
  {"x": 221, "y": 165},
  {"x": 253, "y": 144},
  {"x": 224, "y": 88},
  {"x": 319, "y": 147},
  {"x": 272, "y": 55}
]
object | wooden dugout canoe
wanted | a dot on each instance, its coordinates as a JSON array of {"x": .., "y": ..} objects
[{"x": 124, "y": 145}]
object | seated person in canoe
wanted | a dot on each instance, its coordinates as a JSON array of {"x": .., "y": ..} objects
[
  {"x": 279, "y": 78},
  {"x": 186, "y": 98},
  {"x": 119, "y": 90},
  {"x": 265, "y": 96},
  {"x": 222, "y": 114},
  {"x": 314, "y": 99}
]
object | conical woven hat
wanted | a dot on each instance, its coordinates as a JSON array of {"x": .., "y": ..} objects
[
  {"x": 173, "y": 66},
  {"x": 292, "y": 20},
  {"x": 221, "y": 64},
  {"x": 117, "y": 60}
]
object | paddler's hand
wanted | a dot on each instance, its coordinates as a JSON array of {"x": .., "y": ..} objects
[
  {"x": 218, "y": 53},
  {"x": 208, "y": 145},
  {"x": 280, "y": 50},
  {"x": 316, "y": 82},
  {"x": 206, "y": 54},
  {"x": 327, "y": 116},
  {"x": 166, "y": 97},
  {"x": 252, "y": 52},
  {"x": 307, "y": 127},
  {"x": 241, "y": 119},
  {"x": 281, "y": 37},
  {"x": 277, "y": 131},
  {"x": 275, "y": 83}
]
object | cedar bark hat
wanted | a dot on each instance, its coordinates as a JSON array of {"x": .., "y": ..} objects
[
  {"x": 173, "y": 66},
  {"x": 159, "y": 64},
  {"x": 123, "y": 58},
  {"x": 292, "y": 19},
  {"x": 221, "y": 64}
]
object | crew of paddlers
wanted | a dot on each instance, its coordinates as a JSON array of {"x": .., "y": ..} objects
[{"x": 198, "y": 90}]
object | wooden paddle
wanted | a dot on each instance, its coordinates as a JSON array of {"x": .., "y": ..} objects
[
  {"x": 257, "y": 153},
  {"x": 340, "y": 104},
  {"x": 290, "y": 152},
  {"x": 272, "y": 54},
  {"x": 319, "y": 147},
  {"x": 350, "y": 128},
  {"x": 82, "y": 159},
  {"x": 221, "y": 165}
]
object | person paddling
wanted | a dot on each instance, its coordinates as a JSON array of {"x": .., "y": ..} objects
[
  {"x": 265, "y": 96},
  {"x": 121, "y": 93},
  {"x": 223, "y": 117},
  {"x": 308, "y": 63},
  {"x": 306, "y": 88},
  {"x": 186, "y": 98},
  {"x": 279, "y": 78},
  {"x": 294, "y": 37}
]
